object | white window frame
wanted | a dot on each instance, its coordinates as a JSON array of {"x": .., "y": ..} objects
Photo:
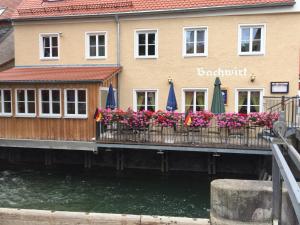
[
  {"x": 87, "y": 44},
  {"x": 195, "y": 54},
  {"x": 42, "y": 46},
  {"x": 26, "y": 114},
  {"x": 146, "y": 105},
  {"x": 2, "y": 113},
  {"x": 261, "y": 90},
  {"x": 106, "y": 89},
  {"x": 263, "y": 39},
  {"x": 2, "y": 10},
  {"x": 51, "y": 114},
  {"x": 136, "y": 43},
  {"x": 76, "y": 115},
  {"x": 205, "y": 90}
]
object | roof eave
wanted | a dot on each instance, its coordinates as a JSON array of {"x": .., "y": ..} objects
[
  {"x": 49, "y": 81},
  {"x": 154, "y": 12}
]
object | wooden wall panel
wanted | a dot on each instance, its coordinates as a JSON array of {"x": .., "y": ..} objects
[{"x": 50, "y": 128}]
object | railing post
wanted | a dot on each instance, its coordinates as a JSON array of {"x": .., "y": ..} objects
[
  {"x": 277, "y": 193},
  {"x": 282, "y": 103}
]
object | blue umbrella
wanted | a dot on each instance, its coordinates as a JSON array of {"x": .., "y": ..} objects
[
  {"x": 110, "y": 101},
  {"x": 172, "y": 103}
]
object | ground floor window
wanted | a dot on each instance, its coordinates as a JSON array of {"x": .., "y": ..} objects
[
  {"x": 50, "y": 102},
  {"x": 25, "y": 102},
  {"x": 248, "y": 101},
  {"x": 103, "y": 96},
  {"x": 194, "y": 100},
  {"x": 76, "y": 103},
  {"x": 5, "y": 102},
  {"x": 145, "y": 100}
]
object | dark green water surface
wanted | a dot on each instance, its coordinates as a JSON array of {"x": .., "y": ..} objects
[{"x": 73, "y": 189}]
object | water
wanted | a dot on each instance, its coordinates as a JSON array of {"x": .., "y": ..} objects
[{"x": 72, "y": 189}]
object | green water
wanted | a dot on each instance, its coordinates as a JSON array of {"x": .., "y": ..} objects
[{"x": 72, "y": 189}]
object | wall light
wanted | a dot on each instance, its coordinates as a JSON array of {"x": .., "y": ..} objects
[
  {"x": 170, "y": 80},
  {"x": 252, "y": 78}
]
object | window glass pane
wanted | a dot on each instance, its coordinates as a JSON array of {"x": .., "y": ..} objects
[
  {"x": 54, "y": 42},
  {"x": 245, "y": 46},
  {"x": 151, "y": 38},
  {"x": 256, "y": 33},
  {"x": 189, "y": 101},
  {"x": 189, "y": 48},
  {"x": 47, "y": 52},
  {"x": 200, "y": 47},
  {"x": 101, "y": 40},
  {"x": 254, "y": 108},
  {"x": 31, "y": 95},
  {"x": 199, "y": 108},
  {"x": 200, "y": 98},
  {"x": 142, "y": 38},
  {"x": 245, "y": 34},
  {"x": 46, "y": 41},
  {"x": 21, "y": 95},
  {"x": 256, "y": 46},
  {"x": 101, "y": 51},
  {"x": 255, "y": 98},
  {"x": 45, "y": 108},
  {"x": 151, "y": 98},
  {"x": 243, "y": 109},
  {"x": 142, "y": 50},
  {"x": 151, "y": 50},
  {"x": 92, "y": 40},
  {"x": 56, "y": 108},
  {"x": 45, "y": 95},
  {"x": 81, "y": 95},
  {"x": 189, "y": 36},
  {"x": 55, "y": 52},
  {"x": 7, "y": 107},
  {"x": 151, "y": 108},
  {"x": 21, "y": 107},
  {"x": 0, "y": 101},
  {"x": 70, "y": 95},
  {"x": 56, "y": 95},
  {"x": 93, "y": 51},
  {"x": 243, "y": 98},
  {"x": 31, "y": 107},
  {"x": 103, "y": 96},
  {"x": 7, "y": 95},
  {"x": 71, "y": 108},
  {"x": 200, "y": 36},
  {"x": 140, "y": 99},
  {"x": 140, "y": 108},
  {"x": 82, "y": 108}
]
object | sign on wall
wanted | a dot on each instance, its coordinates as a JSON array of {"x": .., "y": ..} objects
[{"x": 279, "y": 87}]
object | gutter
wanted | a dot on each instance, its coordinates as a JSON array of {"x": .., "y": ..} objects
[
  {"x": 155, "y": 12},
  {"x": 118, "y": 56}
]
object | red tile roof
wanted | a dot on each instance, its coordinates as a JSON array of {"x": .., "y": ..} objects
[
  {"x": 58, "y": 74},
  {"x": 42, "y": 8},
  {"x": 10, "y": 7}
]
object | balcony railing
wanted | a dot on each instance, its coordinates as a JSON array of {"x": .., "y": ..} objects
[{"x": 248, "y": 137}]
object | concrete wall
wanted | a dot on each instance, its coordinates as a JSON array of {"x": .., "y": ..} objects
[
  {"x": 244, "y": 202},
  {"x": 40, "y": 217}
]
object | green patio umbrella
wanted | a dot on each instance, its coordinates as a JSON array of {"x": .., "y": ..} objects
[{"x": 217, "y": 105}]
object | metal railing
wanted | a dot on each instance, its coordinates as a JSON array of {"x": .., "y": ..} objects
[{"x": 248, "y": 137}]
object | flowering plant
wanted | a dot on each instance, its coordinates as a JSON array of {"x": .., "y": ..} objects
[
  {"x": 136, "y": 120},
  {"x": 108, "y": 116},
  {"x": 166, "y": 119},
  {"x": 200, "y": 119},
  {"x": 232, "y": 120},
  {"x": 263, "y": 119}
]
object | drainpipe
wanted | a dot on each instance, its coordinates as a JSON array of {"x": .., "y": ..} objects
[{"x": 118, "y": 56}]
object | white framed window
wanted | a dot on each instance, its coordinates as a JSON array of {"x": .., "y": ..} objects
[
  {"x": 49, "y": 46},
  {"x": 25, "y": 103},
  {"x": 195, "y": 41},
  {"x": 96, "y": 45},
  {"x": 103, "y": 96},
  {"x": 145, "y": 100},
  {"x": 194, "y": 99},
  {"x": 248, "y": 100},
  {"x": 50, "y": 103},
  {"x": 5, "y": 102},
  {"x": 251, "y": 39},
  {"x": 146, "y": 44},
  {"x": 2, "y": 11},
  {"x": 76, "y": 103}
]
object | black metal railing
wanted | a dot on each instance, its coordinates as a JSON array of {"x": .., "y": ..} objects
[{"x": 248, "y": 137}]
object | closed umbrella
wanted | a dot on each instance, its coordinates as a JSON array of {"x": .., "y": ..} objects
[
  {"x": 217, "y": 106},
  {"x": 172, "y": 103},
  {"x": 110, "y": 101}
]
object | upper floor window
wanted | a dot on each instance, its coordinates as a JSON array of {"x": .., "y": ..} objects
[
  {"x": 251, "y": 39},
  {"x": 146, "y": 44},
  {"x": 195, "y": 42},
  {"x": 49, "y": 46},
  {"x": 96, "y": 45},
  {"x": 76, "y": 103},
  {"x": 5, "y": 102},
  {"x": 25, "y": 102},
  {"x": 50, "y": 103}
]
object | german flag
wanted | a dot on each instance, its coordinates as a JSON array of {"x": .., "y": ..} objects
[
  {"x": 98, "y": 115},
  {"x": 188, "y": 120}
]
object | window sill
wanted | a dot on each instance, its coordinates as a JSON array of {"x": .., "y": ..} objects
[
  {"x": 195, "y": 55},
  {"x": 75, "y": 117},
  {"x": 252, "y": 54},
  {"x": 96, "y": 58},
  {"x": 146, "y": 57},
  {"x": 5, "y": 115},
  {"x": 50, "y": 116},
  {"x": 25, "y": 115},
  {"x": 49, "y": 59}
]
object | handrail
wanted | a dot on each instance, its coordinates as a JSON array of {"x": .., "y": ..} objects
[{"x": 282, "y": 102}]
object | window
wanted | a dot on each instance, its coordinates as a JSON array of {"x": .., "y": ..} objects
[
  {"x": 49, "y": 46},
  {"x": 5, "y": 102},
  {"x": 145, "y": 100},
  {"x": 251, "y": 40},
  {"x": 249, "y": 101},
  {"x": 194, "y": 100},
  {"x": 146, "y": 44},
  {"x": 195, "y": 42},
  {"x": 2, "y": 11},
  {"x": 96, "y": 45},
  {"x": 50, "y": 103},
  {"x": 103, "y": 96},
  {"x": 76, "y": 103},
  {"x": 25, "y": 102}
]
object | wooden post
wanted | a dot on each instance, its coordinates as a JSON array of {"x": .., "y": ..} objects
[
  {"x": 277, "y": 193},
  {"x": 282, "y": 103}
]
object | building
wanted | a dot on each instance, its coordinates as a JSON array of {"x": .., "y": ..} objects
[
  {"x": 7, "y": 8},
  {"x": 68, "y": 52}
]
